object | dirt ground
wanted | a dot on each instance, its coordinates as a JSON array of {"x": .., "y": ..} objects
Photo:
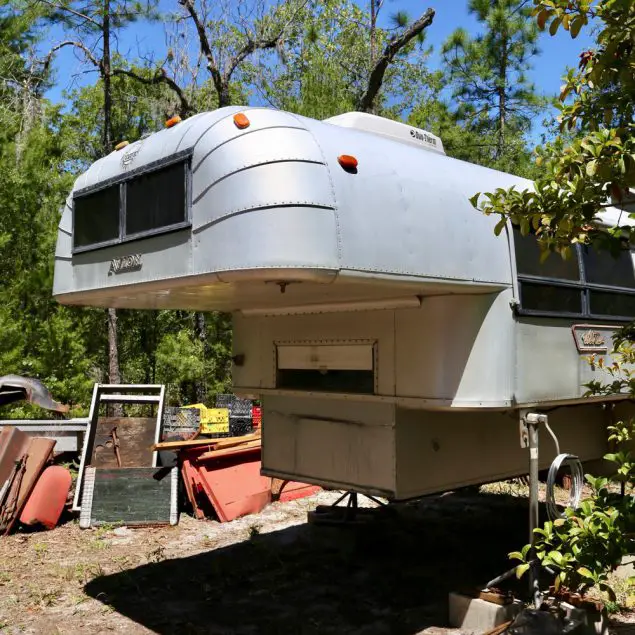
[{"x": 271, "y": 573}]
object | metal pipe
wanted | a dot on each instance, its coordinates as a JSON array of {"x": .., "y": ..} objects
[{"x": 532, "y": 426}]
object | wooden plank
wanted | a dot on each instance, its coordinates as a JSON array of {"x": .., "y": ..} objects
[
  {"x": 135, "y": 434},
  {"x": 238, "y": 449},
  {"x": 201, "y": 443}
]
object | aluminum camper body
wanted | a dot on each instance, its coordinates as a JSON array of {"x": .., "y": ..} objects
[{"x": 392, "y": 337}]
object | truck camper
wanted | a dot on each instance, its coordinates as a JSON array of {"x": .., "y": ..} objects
[{"x": 394, "y": 340}]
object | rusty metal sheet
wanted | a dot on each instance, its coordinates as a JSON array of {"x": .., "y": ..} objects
[
  {"x": 37, "y": 454},
  {"x": 135, "y": 436},
  {"x": 13, "y": 443},
  {"x": 15, "y": 388}
]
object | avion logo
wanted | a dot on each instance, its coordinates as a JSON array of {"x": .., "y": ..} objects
[{"x": 125, "y": 263}]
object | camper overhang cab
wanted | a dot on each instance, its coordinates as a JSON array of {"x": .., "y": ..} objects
[{"x": 392, "y": 337}]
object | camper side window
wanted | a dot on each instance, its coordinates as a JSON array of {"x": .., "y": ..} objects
[
  {"x": 137, "y": 206},
  {"x": 590, "y": 284},
  {"x": 341, "y": 368}
]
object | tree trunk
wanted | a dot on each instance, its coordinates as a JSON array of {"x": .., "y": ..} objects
[
  {"x": 502, "y": 98},
  {"x": 223, "y": 94},
  {"x": 200, "y": 331},
  {"x": 373, "y": 39},
  {"x": 114, "y": 375}
]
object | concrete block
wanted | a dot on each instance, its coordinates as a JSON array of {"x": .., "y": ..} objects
[
  {"x": 626, "y": 569},
  {"x": 593, "y": 623},
  {"x": 478, "y": 615}
]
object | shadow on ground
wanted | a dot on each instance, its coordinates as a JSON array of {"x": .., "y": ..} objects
[{"x": 391, "y": 576}]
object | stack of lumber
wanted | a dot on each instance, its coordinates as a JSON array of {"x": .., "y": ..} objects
[{"x": 222, "y": 476}]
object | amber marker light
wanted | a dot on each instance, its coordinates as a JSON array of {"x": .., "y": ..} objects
[
  {"x": 121, "y": 145},
  {"x": 172, "y": 121},
  {"x": 348, "y": 162},
  {"x": 241, "y": 121}
]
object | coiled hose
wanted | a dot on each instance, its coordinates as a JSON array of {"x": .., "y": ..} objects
[{"x": 577, "y": 483}]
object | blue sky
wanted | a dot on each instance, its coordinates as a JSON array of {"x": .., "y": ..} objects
[{"x": 548, "y": 68}]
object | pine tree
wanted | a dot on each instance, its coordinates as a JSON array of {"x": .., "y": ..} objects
[{"x": 487, "y": 74}]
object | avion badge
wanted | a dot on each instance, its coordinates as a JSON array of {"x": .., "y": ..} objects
[{"x": 125, "y": 263}]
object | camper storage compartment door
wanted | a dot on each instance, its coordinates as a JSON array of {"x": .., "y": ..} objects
[{"x": 342, "y": 367}]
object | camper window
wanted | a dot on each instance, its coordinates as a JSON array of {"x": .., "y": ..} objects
[
  {"x": 142, "y": 204},
  {"x": 589, "y": 284},
  {"x": 342, "y": 368},
  {"x": 156, "y": 200},
  {"x": 96, "y": 218}
]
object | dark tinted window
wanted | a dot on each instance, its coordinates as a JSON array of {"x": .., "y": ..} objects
[
  {"x": 156, "y": 200},
  {"x": 601, "y": 267},
  {"x": 609, "y": 303},
  {"x": 96, "y": 217},
  {"x": 528, "y": 260},
  {"x": 555, "y": 299},
  {"x": 348, "y": 381}
]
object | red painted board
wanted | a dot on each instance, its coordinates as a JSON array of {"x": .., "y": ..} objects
[
  {"x": 192, "y": 487},
  {"x": 234, "y": 485},
  {"x": 292, "y": 490},
  {"x": 46, "y": 502}
]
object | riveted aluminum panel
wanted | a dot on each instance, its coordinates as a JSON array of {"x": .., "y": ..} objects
[
  {"x": 276, "y": 237},
  {"x": 457, "y": 348},
  {"x": 407, "y": 210},
  {"x": 549, "y": 366},
  {"x": 269, "y": 185},
  {"x": 269, "y": 145},
  {"x": 163, "y": 257}
]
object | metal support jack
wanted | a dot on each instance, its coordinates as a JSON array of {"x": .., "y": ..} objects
[
  {"x": 337, "y": 514},
  {"x": 529, "y": 424},
  {"x": 531, "y": 421}
]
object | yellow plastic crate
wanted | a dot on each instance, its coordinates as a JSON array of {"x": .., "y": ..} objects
[{"x": 213, "y": 420}]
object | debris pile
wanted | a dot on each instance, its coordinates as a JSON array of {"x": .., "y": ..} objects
[
  {"x": 131, "y": 467},
  {"x": 30, "y": 491}
]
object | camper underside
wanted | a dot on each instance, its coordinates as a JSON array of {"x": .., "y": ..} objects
[{"x": 400, "y": 453}]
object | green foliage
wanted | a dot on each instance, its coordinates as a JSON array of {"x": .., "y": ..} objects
[
  {"x": 326, "y": 66},
  {"x": 487, "y": 75},
  {"x": 597, "y": 167},
  {"x": 584, "y": 547}
]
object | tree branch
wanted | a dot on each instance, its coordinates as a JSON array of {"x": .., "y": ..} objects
[
  {"x": 204, "y": 42},
  {"x": 159, "y": 78},
  {"x": 366, "y": 101},
  {"x": 46, "y": 62},
  {"x": 61, "y": 7},
  {"x": 249, "y": 48}
]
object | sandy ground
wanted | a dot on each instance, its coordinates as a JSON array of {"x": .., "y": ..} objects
[{"x": 271, "y": 573}]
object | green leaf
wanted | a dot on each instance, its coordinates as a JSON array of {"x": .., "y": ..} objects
[
  {"x": 553, "y": 27},
  {"x": 541, "y": 20},
  {"x": 516, "y": 555},
  {"x": 474, "y": 200},
  {"x": 576, "y": 25},
  {"x": 585, "y": 573},
  {"x": 521, "y": 570},
  {"x": 499, "y": 226},
  {"x": 591, "y": 167}
]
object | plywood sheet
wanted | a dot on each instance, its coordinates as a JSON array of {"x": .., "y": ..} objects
[{"x": 136, "y": 436}]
